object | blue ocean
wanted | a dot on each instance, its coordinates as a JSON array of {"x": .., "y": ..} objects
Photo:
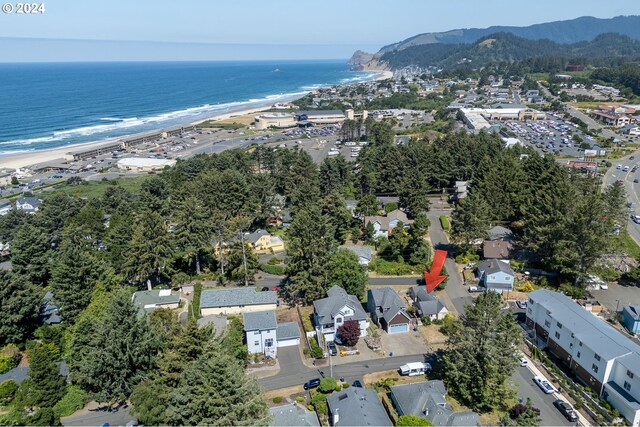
[{"x": 47, "y": 105}]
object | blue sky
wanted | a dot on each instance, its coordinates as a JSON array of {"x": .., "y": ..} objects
[{"x": 252, "y": 29}]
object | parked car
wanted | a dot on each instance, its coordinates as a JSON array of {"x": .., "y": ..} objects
[
  {"x": 470, "y": 266},
  {"x": 635, "y": 218},
  {"x": 312, "y": 383},
  {"x": 475, "y": 289},
  {"x": 544, "y": 385},
  {"x": 331, "y": 346},
  {"x": 357, "y": 383},
  {"x": 566, "y": 410},
  {"x": 264, "y": 288},
  {"x": 521, "y": 304},
  {"x": 635, "y": 180},
  {"x": 523, "y": 361}
]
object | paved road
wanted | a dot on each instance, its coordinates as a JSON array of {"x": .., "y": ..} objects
[
  {"x": 293, "y": 372},
  {"x": 550, "y": 416},
  {"x": 632, "y": 189},
  {"x": 98, "y": 418}
]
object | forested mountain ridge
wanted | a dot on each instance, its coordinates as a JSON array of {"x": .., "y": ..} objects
[
  {"x": 506, "y": 47},
  {"x": 584, "y": 28}
]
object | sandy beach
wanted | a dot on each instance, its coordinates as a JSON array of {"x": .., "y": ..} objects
[{"x": 22, "y": 160}]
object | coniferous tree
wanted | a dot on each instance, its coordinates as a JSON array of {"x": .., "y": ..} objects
[
  {"x": 119, "y": 349},
  {"x": 193, "y": 229},
  {"x": 46, "y": 385},
  {"x": 311, "y": 241},
  {"x": 346, "y": 272},
  {"x": 480, "y": 356},
  {"x": 215, "y": 390},
  {"x": 19, "y": 305},
  {"x": 149, "y": 249}
]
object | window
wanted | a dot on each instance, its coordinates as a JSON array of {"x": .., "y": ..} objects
[
  {"x": 580, "y": 343},
  {"x": 596, "y": 356},
  {"x": 530, "y": 301},
  {"x": 572, "y": 335},
  {"x": 594, "y": 368},
  {"x": 627, "y": 386},
  {"x": 578, "y": 355},
  {"x": 559, "y": 325},
  {"x": 256, "y": 343},
  {"x": 547, "y": 323},
  {"x": 630, "y": 374},
  {"x": 268, "y": 342},
  {"x": 557, "y": 335},
  {"x": 256, "y": 332}
]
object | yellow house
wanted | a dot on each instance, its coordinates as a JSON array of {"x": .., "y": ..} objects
[{"x": 264, "y": 242}]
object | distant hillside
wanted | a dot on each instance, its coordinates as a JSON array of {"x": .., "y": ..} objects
[
  {"x": 572, "y": 31},
  {"x": 505, "y": 47},
  {"x": 438, "y": 45}
]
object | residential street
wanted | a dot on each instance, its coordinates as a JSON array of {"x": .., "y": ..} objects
[{"x": 632, "y": 189}]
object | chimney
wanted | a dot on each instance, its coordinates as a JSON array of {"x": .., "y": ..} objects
[{"x": 336, "y": 417}]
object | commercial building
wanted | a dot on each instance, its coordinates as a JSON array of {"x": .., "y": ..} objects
[
  {"x": 478, "y": 118},
  {"x": 144, "y": 164},
  {"x": 600, "y": 356},
  {"x": 276, "y": 120},
  {"x": 320, "y": 117}
]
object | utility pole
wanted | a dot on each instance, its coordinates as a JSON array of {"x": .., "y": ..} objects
[{"x": 244, "y": 259}]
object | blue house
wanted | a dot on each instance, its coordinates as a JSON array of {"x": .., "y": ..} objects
[
  {"x": 496, "y": 275},
  {"x": 631, "y": 318}
]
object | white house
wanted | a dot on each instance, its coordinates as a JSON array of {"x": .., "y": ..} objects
[
  {"x": 260, "y": 328},
  {"x": 331, "y": 312},
  {"x": 384, "y": 225},
  {"x": 599, "y": 355},
  {"x": 427, "y": 304},
  {"x": 28, "y": 204},
  {"x": 496, "y": 275},
  {"x": 364, "y": 253}
]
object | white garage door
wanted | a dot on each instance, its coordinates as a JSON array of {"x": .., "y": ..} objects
[
  {"x": 289, "y": 342},
  {"x": 394, "y": 329}
]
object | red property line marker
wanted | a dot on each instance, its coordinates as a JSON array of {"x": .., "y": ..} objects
[{"x": 433, "y": 278}]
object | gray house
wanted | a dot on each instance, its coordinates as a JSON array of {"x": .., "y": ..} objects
[
  {"x": 388, "y": 310},
  {"x": 357, "y": 406},
  {"x": 49, "y": 310},
  {"x": 427, "y": 399},
  {"x": 496, "y": 275},
  {"x": 155, "y": 298},
  {"x": 293, "y": 415},
  {"x": 331, "y": 312},
  {"x": 427, "y": 304},
  {"x": 260, "y": 331},
  {"x": 28, "y": 204},
  {"x": 364, "y": 253}
]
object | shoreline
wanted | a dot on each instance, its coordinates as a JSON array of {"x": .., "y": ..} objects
[{"x": 24, "y": 159}]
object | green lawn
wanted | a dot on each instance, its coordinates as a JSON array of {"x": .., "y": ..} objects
[
  {"x": 94, "y": 189},
  {"x": 444, "y": 222},
  {"x": 630, "y": 245}
]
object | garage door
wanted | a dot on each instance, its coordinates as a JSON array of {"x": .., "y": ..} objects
[
  {"x": 288, "y": 343},
  {"x": 394, "y": 329}
]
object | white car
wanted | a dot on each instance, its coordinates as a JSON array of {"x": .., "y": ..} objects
[
  {"x": 544, "y": 385},
  {"x": 523, "y": 361}
]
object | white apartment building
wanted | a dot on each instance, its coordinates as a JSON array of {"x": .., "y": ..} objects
[{"x": 599, "y": 355}]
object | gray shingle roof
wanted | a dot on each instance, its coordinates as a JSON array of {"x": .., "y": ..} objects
[
  {"x": 491, "y": 266},
  {"x": 259, "y": 320},
  {"x": 385, "y": 220},
  {"x": 328, "y": 307},
  {"x": 236, "y": 296},
  {"x": 287, "y": 331},
  {"x": 146, "y": 298},
  {"x": 427, "y": 399},
  {"x": 595, "y": 333},
  {"x": 292, "y": 415},
  {"x": 498, "y": 232},
  {"x": 255, "y": 236},
  {"x": 388, "y": 300},
  {"x": 357, "y": 406},
  {"x": 361, "y": 251},
  {"x": 20, "y": 374},
  {"x": 49, "y": 311},
  {"x": 430, "y": 308}
]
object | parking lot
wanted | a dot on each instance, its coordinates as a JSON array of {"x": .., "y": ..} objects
[{"x": 554, "y": 135}]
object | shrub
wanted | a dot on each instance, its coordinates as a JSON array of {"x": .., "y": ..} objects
[
  {"x": 426, "y": 321},
  {"x": 467, "y": 257},
  {"x": 444, "y": 222},
  {"x": 327, "y": 385},
  {"x": 275, "y": 260},
  {"x": 349, "y": 332},
  {"x": 7, "y": 392},
  {"x": 319, "y": 403},
  {"x": 9, "y": 358},
  {"x": 413, "y": 420},
  {"x": 277, "y": 399},
  {"x": 526, "y": 286},
  {"x": 299, "y": 399},
  {"x": 573, "y": 291},
  {"x": 74, "y": 400},
  {"x": 392, "y": 268},
  {"x": 316, "y": 351},
  {"x": 390, "y": 207},
  {"x": 276, "y": 270},
  {"x": 448, "y": 323},
  {"x": 345, "y": 385}
]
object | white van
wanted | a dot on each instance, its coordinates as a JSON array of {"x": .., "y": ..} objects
[{"x": 414, "y": 368}]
